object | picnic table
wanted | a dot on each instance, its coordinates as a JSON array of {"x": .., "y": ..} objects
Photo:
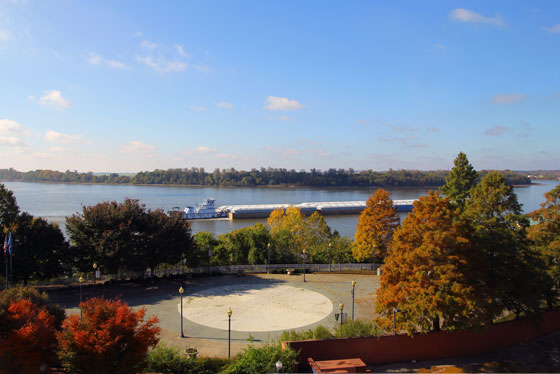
[{"x": 345, "y": 365}]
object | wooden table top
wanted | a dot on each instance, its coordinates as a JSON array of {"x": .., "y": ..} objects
[{"x": 345, "y": 363}]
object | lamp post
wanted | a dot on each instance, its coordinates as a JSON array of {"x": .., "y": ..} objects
[
  {"x": 229, "y": 313},
  {"x": 209, "y": 258},
  {"x": 268, "y": 262},
  {"x": 278, "y": 366},
  {"x": 81, "y": 280},
  {"x": 304, "y": 254},
  {"x": 181, "y": 290},
  {"x": 330, "y": 257},
  {"x": 341, "y": 310},
  {"x": 353, "y": 287},
  {"x": 94, "y": 272}
]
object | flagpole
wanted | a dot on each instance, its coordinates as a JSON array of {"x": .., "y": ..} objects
[
  {"x": 5, "y": 258},
  {"x": 11, "y": 251}
]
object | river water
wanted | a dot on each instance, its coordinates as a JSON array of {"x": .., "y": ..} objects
[{"x": 57, "y": 201}]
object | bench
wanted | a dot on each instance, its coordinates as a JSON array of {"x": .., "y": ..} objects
[{"x": 350, "y": 365}]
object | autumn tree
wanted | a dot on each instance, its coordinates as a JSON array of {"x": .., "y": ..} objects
[
  {"x": 109, "y": 338},
  {"x": 460, "y": 180},
  {"x": 423, "y": 275},
  {"x": 545, "y": 235},
  {"x": 504, "y": 269},
  {"x": 27, "y": 330},
  {"x": 375, "y": 228}
]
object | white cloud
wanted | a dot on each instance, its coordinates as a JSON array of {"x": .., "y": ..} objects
[
  {"x": 507, "y": 98},
  {"x": 57, "y": 137},
  {"x": 160, "y": 64},
  {"x": 10, "y": 126},
  {"x": 54, "y": 99},
  {"x": 202, "y": 68},
  {"x": 4, "y": 35},
  {"x": 290, "y": 152},
  {"x": 441, "y": 47},
  {"x": 225, "y": 105},
  {"x": 552, "y": 29},
  {"x": 225, "y": 156},
  {"x": 93, "y": 58},
  {"x": 138, "y": 147},
  {"x": 148, "y": 44},
  {"x": 281, "y": 118},
  {"x": 282, "y": 103},
  {"x": 39, "y": 155},
  {"x": 496, "y": 130},
  {"x": 57, "y": 149},
  {"x": 11, "y": 141},
  {"x": 465, "y": 15},
  {"x": 181, "y": 51},
  {"x": 198, "y": 108},
  {"x": 116, "y": 64},
  {"x": 204, "y": 149}
]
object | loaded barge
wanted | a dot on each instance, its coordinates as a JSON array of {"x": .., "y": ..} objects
[{"x": 209, "y": 210}]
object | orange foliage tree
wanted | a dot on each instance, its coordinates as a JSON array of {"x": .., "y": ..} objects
[
  {"x": 375, "y": 227},
  {"x": 27, "y": 337},
  {"x": 424, "y": 273},
  {"x": 110, "y": 338}
]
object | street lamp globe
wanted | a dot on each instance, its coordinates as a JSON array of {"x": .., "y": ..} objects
[
  {"x": 181, "y": 290},
  {"x": 81, "y": 279},
  {"x": 353, "y": 283},
  {"x": 341, "y": 306},
  {"x": 95, "y": 265},
  {"x": 278, "y": 366},
  {"x": 229, "y": 313}
]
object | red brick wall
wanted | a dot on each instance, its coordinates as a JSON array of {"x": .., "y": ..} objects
[{"x": 399, "y": 348}]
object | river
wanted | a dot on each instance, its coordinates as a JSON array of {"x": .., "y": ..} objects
[{"x": 57, "y": 201}]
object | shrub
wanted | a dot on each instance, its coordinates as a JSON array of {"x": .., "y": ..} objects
[
  {"x": 262, "y": 360},
  {"x": 27, "y": 337},
  {"x": 110, "y": 338},
  {"x": 357, "y": 329},
  {"x": 165, "y": 360},
  {"x": 320, "y": 332}
]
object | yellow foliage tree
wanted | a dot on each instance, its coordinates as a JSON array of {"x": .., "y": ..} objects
[{"x": 375, "y": 228}]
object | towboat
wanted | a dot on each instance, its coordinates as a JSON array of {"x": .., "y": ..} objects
[{"x": 205, "y": 210}]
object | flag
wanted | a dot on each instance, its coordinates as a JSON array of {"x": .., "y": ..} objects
[
  {"x": 10, "y": 244},
  {"x": 5, "y": 244}
]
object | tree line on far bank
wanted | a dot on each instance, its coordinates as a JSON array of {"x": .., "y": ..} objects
[{"x": 255, "y": 177}]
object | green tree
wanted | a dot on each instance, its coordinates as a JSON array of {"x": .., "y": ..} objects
[
  {"x": 8, "y": 207},
  {"x": 505, "y": 271},
  {"x": 204, "y": 241},
  {"x": 40, "y": 249},
  {"x": 375, "y": 228},
  {"x": 460, "y": 180}
]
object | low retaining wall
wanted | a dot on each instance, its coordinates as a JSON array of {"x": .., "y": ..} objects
[{"x": 401, "y": 348}]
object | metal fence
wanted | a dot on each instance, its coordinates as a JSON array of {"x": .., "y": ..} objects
[{"x": 179, "y": 270}]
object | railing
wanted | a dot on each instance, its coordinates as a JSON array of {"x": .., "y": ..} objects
[{"x": 230, "y": 269}]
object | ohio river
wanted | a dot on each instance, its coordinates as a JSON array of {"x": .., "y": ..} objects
[{"x": 57, "y": 201}]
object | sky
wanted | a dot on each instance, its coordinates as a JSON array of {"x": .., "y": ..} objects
[{"x": 124, "y": 86}]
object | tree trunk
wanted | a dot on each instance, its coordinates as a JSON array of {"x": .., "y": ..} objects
[{"x": 436, "y": 324}]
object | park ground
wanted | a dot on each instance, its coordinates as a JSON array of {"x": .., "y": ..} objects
[{"x": 161, "y": 298}]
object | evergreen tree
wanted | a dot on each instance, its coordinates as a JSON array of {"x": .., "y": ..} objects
[
  {"x": 460, "y": 180},
  {"x": 375, "y": 228}
]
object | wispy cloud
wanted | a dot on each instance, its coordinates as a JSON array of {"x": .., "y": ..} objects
[
  {"x": 198, "y": 108},
  {"x": 4, "y": 35},
  {"x": 552, "y": 29},
  {"x": 224, "y": 105},
  {"x": 465, "y": 15},
  {"x": 507, "y": 98},
  {"x": 282, "y": 103},
  {"x": 52, "y": 136},
  {"x": 432, "y": 129},
  {"x": 163, "y": 59},
  {"x": 8, "y": 126},
  {"x": 93, "y": 58},
  {"x": 116, "y": 64},
  {"x": 12, "y": 141},
  {"x": 148, "y": 44},
  {"x": 496, "y": 130},
  {"x": 181, "y": 51},
  {"x": 441, "y": 47},
  {"x": 54, "y": 99},
  {"x": 161, "y": 64},
  {"x": 204, "y": 149},
  {"x": 138, "y": 147}
]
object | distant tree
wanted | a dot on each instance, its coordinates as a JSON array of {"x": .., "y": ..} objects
[
  {"x": 204, "y": 241},
  {"x": 504, "y": 269},
  {"x": 27, "y": 330},
  {"x": 375, "y": 228},
  {"x": 460, "y": 180},
  {"x": 423, "y": 275},
  {"x": 109, "y": 338},
  {"x": 40, "y": 249},
  {"x": 545, "y": 235}
]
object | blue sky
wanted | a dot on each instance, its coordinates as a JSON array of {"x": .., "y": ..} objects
[{"x": 136, "y": 85}]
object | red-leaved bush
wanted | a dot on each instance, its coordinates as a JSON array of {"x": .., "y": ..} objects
[
  {"x": 27, "y": 337},
  {"x": 110, "y": 338}
]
